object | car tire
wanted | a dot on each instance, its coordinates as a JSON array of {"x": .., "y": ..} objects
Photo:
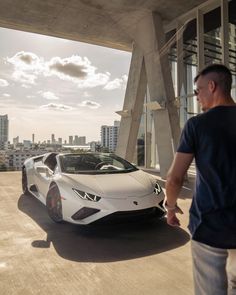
[
  {"x": 54, "y": 204},
  {"x": 25, "y": 182}
]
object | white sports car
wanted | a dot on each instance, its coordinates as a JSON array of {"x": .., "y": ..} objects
[{"x": 84, "y": 188}]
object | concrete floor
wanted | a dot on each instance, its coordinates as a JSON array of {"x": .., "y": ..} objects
[{"x": 40, "y": 257}]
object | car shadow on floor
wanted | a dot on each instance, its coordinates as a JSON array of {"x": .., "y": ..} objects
[{"x": 104, "y": 242}]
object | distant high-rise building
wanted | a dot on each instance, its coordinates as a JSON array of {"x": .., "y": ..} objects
[
  {"x": 109, "y": 136},
  {"x": 33, "y": 138},
  {"x": 79, "y": 140},
  {"x": 117, "y": 123},
  {"x": 27, "y": 144},
  {"x": 76, "y": 140},
  {"x": 15, "y": 141},
  {"x": 53, "y": 138},
  {"x": 60, "y": 140},
  {"x": 4, "y": 126},
  {"x": 82, "y": 140},
  {"x": 71, "y": 140}
]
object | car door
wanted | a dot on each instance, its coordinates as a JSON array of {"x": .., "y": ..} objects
[{"x": 43, "y": 178}]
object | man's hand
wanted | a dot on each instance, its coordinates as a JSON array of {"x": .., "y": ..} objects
[
  {"x": 171, "y": 216},
  {"x": 174, "y": 181}
]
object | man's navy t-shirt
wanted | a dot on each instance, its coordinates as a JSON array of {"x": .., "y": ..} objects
[{"x": 211, "y": 137}]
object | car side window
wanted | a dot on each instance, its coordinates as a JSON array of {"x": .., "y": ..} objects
[{"x": 51, "y": 161}]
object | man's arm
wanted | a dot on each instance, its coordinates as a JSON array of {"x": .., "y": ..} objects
[{"x": 175, "y": 178}]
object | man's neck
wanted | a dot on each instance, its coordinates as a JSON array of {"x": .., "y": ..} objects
[{"x": 223, "y": 101}]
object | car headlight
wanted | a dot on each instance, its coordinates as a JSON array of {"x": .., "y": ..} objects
[
  {"x": 86, "y": 196},
  {"x": 157, "y": 189}
]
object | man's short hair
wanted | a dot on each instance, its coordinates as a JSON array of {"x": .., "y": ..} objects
[{"x": 224, "y": 76}]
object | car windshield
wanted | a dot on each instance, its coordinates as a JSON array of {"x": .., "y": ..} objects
[{"x": 94, "y": 164}]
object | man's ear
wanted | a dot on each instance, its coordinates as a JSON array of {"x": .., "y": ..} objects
[{"x": 212, "y": 85}]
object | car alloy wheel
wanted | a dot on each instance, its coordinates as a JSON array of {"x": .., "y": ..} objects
[{"x": 54, "y": 204}]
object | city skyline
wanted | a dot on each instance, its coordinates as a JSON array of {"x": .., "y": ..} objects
[
  {"x": 50, "y": 85},
  {"x": 70, "y": 139},
  {"x": 57, "y": 139}
]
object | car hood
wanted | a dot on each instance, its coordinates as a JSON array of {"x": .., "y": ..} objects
[{"x": 133, "y": 184}]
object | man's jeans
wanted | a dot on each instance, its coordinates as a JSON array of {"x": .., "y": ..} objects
[{"x": 214, "y": 270}]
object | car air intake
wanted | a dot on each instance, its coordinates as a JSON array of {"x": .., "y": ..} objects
[{"x": 84, "y": 213}]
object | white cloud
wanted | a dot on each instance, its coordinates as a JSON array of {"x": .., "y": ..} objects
[
  {"x": 90, "y": 104},
  {"x": 78, "y": 70},
  {"x": 6, "y": 95},
  {"x": 124, "y": 78},
  {"x": 3, "y": 83},
  {"x": 27, "y": 67},
  {"x": 56, "y": 107},
  {"x": 73, "y": 67},
  {"x": 49, "y": 95},
  {"x": 118, "y": 83},
  {"x": 26, "y": 61},
  {"x": 24, "y": 77}
]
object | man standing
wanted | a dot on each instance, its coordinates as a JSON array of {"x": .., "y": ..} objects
[{"x": 209, "y": 138}]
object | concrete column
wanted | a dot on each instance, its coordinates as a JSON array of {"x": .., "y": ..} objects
[
  {"x": 200, "y": 44},
  {"x": 150, "y": 37},
  {"x": 148, "y": 142},
  {"x": 133, "y": 106},
  {"x": 200, "y": 40},
  {"x": 181, "y": 76},
  {"x": 225, "y": 31}
]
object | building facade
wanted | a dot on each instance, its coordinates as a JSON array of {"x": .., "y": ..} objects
[
  {"x": 109, "y": 136},
  {"x": 4, "y": 129},
  {"x": 14, "y": 159},
  {"x": 203, "y": 36}
]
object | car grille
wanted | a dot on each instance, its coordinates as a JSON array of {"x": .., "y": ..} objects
[{"x": 134, "y": 215}]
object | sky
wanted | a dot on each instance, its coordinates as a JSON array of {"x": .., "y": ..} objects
[{"x": 55, "y": 86}]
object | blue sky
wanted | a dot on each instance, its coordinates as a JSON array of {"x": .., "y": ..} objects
[{"x": 51, "y": 85}]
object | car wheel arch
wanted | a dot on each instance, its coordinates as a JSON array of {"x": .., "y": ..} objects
[{"x": 54, "y": 211}]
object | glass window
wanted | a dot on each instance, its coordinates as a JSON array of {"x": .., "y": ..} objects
[{"x": 94, "y": 164}]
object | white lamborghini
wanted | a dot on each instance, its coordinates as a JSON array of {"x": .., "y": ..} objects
[{"x": 84, "y": 188}]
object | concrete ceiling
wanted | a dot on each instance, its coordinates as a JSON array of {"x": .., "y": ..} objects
[{"x": 101, "y": 22}]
